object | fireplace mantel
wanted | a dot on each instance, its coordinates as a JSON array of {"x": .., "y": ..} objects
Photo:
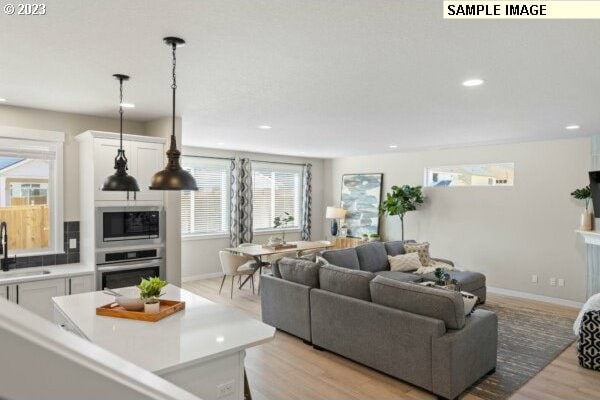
[{"x": 590, "y": 237}]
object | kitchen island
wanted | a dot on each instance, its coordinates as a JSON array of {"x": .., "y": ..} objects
[{"x": 201, "y": 348}]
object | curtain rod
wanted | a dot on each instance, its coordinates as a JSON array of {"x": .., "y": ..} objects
[{"x": 260, "y": 161}]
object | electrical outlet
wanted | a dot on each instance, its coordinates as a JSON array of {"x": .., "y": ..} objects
[
  {"x": 534, "y": 278},
  {"x": 552, "y": 281},
  {"x": 73, "y": 243},
  {"x": 225, "y": 389},
  {"x": 561, "y": 282}
]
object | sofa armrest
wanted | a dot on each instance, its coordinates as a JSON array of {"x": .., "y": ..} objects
[
  {"x": 462, "y": 356},
  {"x": 445, "y": 261},
  {"x": 286, "y": 305}
]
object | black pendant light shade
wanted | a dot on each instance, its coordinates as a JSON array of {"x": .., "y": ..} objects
[
  {"x": 120, "y": 181},
  {"x": 173, "y": 177}
]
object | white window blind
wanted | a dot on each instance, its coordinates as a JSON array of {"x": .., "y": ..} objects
[
  {"x": 277, "y": 188},
  {"x": 206, "y": 211}
]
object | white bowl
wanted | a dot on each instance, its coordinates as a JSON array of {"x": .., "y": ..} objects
[{"x": 130, "y": 303}]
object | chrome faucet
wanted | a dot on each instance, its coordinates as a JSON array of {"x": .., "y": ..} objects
[{"x": 5, "y": 263}]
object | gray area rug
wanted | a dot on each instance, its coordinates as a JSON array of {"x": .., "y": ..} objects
[{"x": 528, "y": 340}]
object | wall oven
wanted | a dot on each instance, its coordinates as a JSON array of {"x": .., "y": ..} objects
[
  {"x": 129, "y": 226},
  {"x": 127, "y": 267}
]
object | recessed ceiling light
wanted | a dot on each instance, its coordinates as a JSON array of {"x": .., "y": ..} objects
[
  {"x": 473, "y": 82},
  {"x": 220, "y": 144},
  {"x": 572, "y": 127},
  {"x": 2, "y": 100},
  {"x": 127, "y": 105},
  {"x": 265, "y": 127},
  {"x": 393, "y": 146}
]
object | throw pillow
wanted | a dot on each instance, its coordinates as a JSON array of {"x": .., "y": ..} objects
[
  {"x": 422, "y": 249},
  {"x": 405, "y": 262}
]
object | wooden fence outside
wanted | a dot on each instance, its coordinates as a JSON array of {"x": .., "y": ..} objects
[{"x": 28, "y": 226}]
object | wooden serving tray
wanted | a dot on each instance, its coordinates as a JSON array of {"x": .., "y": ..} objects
[
  {"x": 280, "y": 246},
  {"x": 167, "y": 307}
]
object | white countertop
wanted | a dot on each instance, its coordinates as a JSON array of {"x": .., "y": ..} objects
[
  {"x": 56, "y": 271},
  {"x": 202, "y": 331}
]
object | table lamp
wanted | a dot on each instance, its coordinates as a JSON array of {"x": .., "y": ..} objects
[{"x": 335, "y": 213}]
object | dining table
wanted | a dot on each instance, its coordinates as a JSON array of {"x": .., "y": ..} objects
[{"x": 259, "y": 251}]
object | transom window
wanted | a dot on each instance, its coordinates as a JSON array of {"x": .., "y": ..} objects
[{"x": 498, "y": 174}]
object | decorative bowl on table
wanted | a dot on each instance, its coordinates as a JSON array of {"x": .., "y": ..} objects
[
  {"x": 275, "y": 241},
  {"x": 130, "y": 303}
]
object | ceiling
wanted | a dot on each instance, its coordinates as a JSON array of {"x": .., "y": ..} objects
[{"x": 332, "y": 77}]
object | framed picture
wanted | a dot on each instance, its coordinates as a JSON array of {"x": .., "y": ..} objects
[{"x": 361, "y": 196}]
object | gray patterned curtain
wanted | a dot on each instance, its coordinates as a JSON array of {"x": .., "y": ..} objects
[
  {"x": 241, "y": 202},
  {"x": 306, "y": 202}
]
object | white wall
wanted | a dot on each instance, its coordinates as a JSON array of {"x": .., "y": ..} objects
[
  {"x": 507, "y": 233},
  {"x": 200, "y": 257},
  {"x": 71, "y": 125}
]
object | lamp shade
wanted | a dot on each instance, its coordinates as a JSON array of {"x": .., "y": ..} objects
[{"x": 335, "y": 213}]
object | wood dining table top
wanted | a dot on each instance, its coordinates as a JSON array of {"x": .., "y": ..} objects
[{"x": 259, "y": 251}]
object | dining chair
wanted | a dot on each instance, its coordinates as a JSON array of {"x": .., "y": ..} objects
[{"x": 235, "y": 265}]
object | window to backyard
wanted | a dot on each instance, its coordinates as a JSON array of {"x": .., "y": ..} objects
[
  {"x": 206, "y": 211},
  {"x": 277, "y": 188}
]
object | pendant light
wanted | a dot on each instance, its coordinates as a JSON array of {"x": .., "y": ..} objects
[
  {"x": 120, "y": 181},
  {"x": 173, "y": 177}
]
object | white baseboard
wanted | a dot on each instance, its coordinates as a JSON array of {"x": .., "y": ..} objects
[
  {"x": 200, "y": 277},
  {"x": 538, "y": 297}
]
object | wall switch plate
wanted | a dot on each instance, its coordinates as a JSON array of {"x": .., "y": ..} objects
[
  {"x": 73, "y": 243},
  {"x": 552, "y": 281},
  {"x": 561, "y": 282},
  {"x": 225, "y": 389},
  {"x": 534, "y": 278}
]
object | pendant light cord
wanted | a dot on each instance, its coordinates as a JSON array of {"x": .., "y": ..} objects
[
  {"x": 121, "y": 112},
  {"x": 174, "y": 86}
]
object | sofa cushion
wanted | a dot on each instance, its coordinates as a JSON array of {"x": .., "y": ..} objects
[
  {"x": 347, "y": 282},
  {"x": 467, "y": 280},
  {"x": 396, "y": 247},
  {"x": 440, "y": 304},
  {"x": 422, "y": 249},
  {"x": 300, "y": 271},
  {"x": 405, "y": 262},
  {"x": 372, "y": 257},
  {"x": 346, "y": 258},
  {"x": 400, "y": 276}
]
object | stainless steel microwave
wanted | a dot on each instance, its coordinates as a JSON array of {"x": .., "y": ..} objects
[{"x": 129, "y": 226}]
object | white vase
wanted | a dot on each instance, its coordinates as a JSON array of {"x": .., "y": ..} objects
[
  {"x": 152, "y": 308},
  {"x": 587, "y": 219}
]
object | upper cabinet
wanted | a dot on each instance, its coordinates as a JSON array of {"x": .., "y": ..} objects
[{"x": 98, "y": 150}]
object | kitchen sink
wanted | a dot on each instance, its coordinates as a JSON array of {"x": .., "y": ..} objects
[{"x": 23, "y": 274}]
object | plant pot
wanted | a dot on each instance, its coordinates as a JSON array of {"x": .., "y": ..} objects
[
  {"x": 152, "y": 308},
  {"x": 587, "y": 221},
  {"x": 373, "y": 239}
]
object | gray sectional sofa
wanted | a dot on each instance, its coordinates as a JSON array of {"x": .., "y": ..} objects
[{"x": 389, "y": 323}]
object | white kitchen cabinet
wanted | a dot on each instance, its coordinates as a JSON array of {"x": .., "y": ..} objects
[
  {"x": 145, "y": 157},
  {"x": 6, "y": 292},
  {"x": 80, "y": 284},
  {"x": 146, "y": 160},
  {"x": 36, "y": 296}
]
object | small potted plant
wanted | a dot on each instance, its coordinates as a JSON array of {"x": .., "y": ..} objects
[
  {"x": 373, "y": 237},
  {"x": 150, "y": 291},
  {"x": 282, "y": 222},
  {"x": 365, "y": 237},
  {"x": 587, "y": 218},
  {"x": 439, "y": 276}
]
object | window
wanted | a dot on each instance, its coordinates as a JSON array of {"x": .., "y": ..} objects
[
  {"x": 500, "y": 174},
  {"x": 31, "y": 190},
  {"x": 277, "y": 188},
  {"x": 206, "y": 212}
]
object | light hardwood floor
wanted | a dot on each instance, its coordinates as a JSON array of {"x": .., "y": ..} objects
[{"x": 286, "y": 368}]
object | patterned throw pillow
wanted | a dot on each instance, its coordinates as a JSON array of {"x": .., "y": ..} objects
[
  {"x": 422, "y": 249},
  {"x": 405, "y": 262}
]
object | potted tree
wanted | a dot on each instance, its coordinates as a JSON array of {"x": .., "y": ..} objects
[
  {"x": 586, "y": 216},
  {"x": 282, "y": 222},
  {"x": 150, "y": 291},
  {"x": 401, "y": 200}
]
